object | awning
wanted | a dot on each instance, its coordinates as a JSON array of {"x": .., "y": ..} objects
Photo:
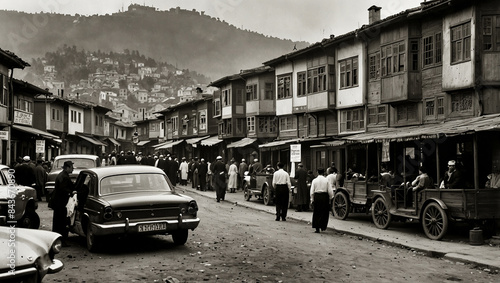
[
  {"x": 334, "y": 143},
  {"x": 242, "y": 143},
  {"x": 211, "y": 141},
  {"x": 142, "y": 143},
  {"x": 35, "y": 132},
  {"x": 169, "y": 144},
  {"x": 278, "y": 143},
  {"x": 91, "y": 140},
  {"x": 196, "y": 140},
  {"x": 114, "y": 141},
  {"x": 431, "y": 131}
]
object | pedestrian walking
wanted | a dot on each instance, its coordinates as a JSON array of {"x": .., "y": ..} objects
[
  {"x": 64, "y": 189},
  {"x": 195, "y": 178},
  {"x": 40, "y": 179},
  {"x": 321, "y": 194},
  {"x": 301, "y": 197},
  {"x": 233, "y": 177},
  {"x": 184, "y": 168},
  {"x": 241, "y": 173},
  {"x": 281, "y": 185},
  {"x": 220, "y": 178},
  {"x": 202, "y": 174}
]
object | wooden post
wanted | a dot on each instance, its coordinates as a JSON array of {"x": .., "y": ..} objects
[
  {"x": 476, "y": 162},
  {"x": 438, "y": 169}
]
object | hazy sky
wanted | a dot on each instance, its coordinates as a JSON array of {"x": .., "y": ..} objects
[{"x": 307, "y": 20}]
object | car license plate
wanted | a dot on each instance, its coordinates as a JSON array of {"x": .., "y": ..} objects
[{"x": 152, "y": 227}]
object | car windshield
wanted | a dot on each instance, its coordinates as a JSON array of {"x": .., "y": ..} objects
[
  {"x": 79, "y": 163},
  {"x": 133, "y": 183}
]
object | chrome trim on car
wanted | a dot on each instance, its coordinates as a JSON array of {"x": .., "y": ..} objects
[
  {"x": 118, "y": 228},
  {"x": 56, "y": 266},
  {"x": 18, "y": 273}
]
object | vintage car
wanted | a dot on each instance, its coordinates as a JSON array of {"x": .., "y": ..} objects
[
  {"x": 28, "y": 255},
  {"x": 260, "y": 186},
  {"x": 130, "y": 199},
  {"x": 81, "y": 161},
  {"x": 17, "y": 203}
]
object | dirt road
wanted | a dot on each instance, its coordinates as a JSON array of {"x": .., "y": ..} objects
[{"x": 237, "y": 244}]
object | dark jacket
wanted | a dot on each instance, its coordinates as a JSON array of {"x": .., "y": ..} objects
[
  {"x": 453, "y": 180},
  {"x": 62, "y": 191},
  {"x": 202, "y": 169},
  {"x": 25, "y": 175}
]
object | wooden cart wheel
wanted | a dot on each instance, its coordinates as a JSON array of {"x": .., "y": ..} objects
[
  {"x": 434, "y": 221},
  {"x": 246, "y": 192},
  {"x": 266, "y": 194},
  {"x": 340, "y": 206},
  {"x": 380, "y": 214}
]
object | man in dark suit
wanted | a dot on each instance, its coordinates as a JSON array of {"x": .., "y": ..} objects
[
  {"x": 220, "y": 178},
  {"x": 301, "y": 198},
  {"x": 64, "y": 188},
  {"x": 202, "y": 174}
]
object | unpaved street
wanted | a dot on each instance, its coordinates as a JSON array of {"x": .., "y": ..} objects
[{"x": 237, "y": 244}]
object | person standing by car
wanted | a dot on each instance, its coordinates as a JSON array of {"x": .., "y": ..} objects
[
  {"x": 241, "y": 173},
  {"x": 64, "y": 188},
  {"x": 219, "y": 178},
  {"x": 301, "y": 198},
  {"x": 281, "y": 185},
  {"x": 321, "y": 194},
  {"x": 40, "y": 179}
]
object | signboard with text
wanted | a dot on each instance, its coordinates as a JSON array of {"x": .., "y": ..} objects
[
  {"x": 4, "y": 135},
  {"x": 295, "y": 152},
  {"x": 40, "y": 146}
]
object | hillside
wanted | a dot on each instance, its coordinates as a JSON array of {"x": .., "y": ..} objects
[{"x": 186, "y": 39}]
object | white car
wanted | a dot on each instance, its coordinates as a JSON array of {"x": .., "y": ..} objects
[
  {"x": 27, "y": 255},
  {"x": 81, "y": 161}
]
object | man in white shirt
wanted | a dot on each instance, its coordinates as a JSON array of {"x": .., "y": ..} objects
[
  {"x": 321, "y": 194},
  {"x": 281, "y": 185}
]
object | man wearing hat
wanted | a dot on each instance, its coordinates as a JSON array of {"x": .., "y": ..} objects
[
  {"x": 64, "y": 189},
  {"x": 25, "y": 175},
  {"x": 453, "y": 178},
  {"x": 220, "y": 173}
]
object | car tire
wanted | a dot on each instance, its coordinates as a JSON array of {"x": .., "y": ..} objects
[
  {"x": 29, "y": 220},
  {"x": 92, "y": 240},
  {"x": 246, "y": 192},
  {"x": 341, "y": 206},
  {"x": 180, "y": 237},
  {"x": 380, "y": 214},
  {"x": 266, "y": 195},
  {"x": 434, "y": 221}
]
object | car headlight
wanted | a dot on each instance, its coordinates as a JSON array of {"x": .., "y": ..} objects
[
  {"x": 55, "y": 248},
  {"x": 193, "y": 207},
  {"x": 108, "y": 213}
]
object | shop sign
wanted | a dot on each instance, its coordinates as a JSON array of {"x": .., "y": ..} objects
[
  {"x": 40, "y": 146},
  {"x": 295, "y": 152},
  {"x": 4, "y": 135},
  {"x": 23, "y": 118}
]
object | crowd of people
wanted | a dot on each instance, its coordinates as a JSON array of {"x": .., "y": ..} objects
[{"x": 311, "y": 192}]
